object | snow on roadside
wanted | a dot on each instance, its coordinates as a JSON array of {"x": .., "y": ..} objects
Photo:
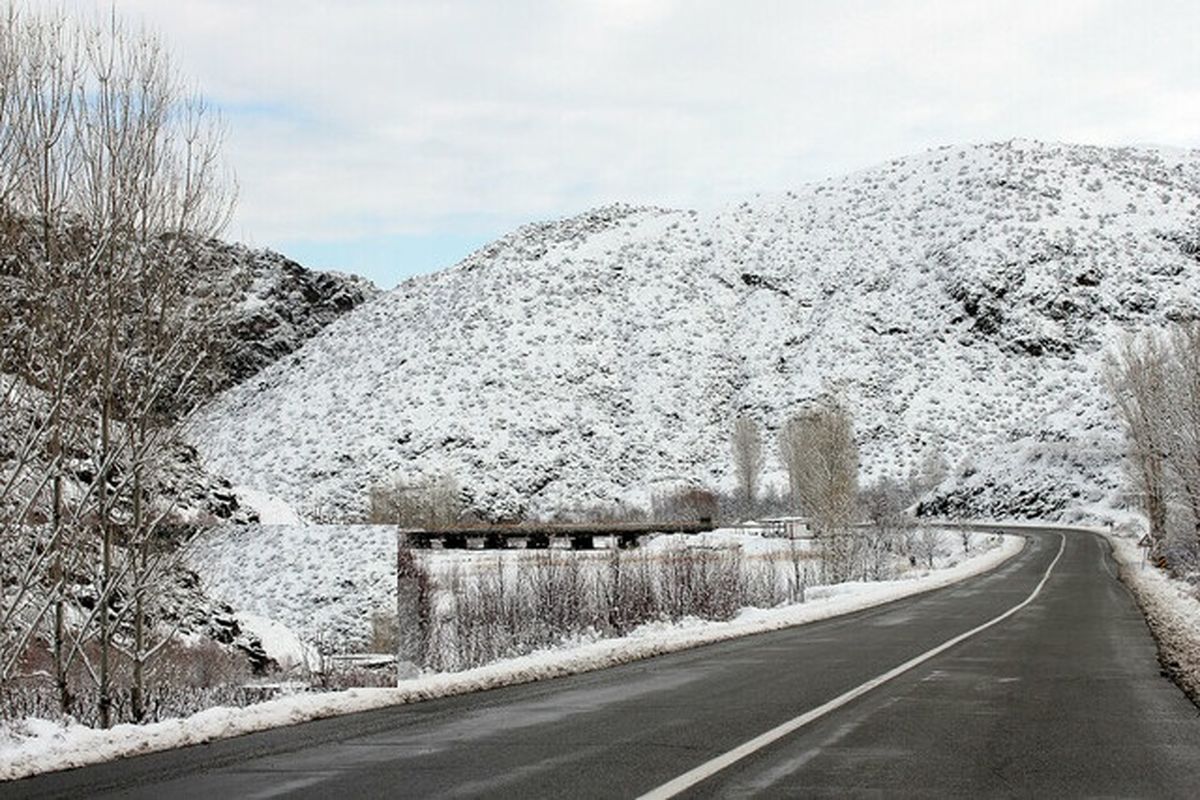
[
  {"x": 33, "y": 746},
  {"x": 1171, "y": 608}
]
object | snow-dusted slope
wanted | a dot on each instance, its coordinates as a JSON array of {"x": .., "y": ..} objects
[{"x": 961, "y": 296}]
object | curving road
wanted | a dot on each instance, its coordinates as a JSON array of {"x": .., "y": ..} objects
[{"x": 1063, "y": 697}]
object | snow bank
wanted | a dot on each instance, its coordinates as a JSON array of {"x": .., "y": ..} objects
[
  {"x": 1171, "y": 607},
  {"x": 34, "y": 746}
]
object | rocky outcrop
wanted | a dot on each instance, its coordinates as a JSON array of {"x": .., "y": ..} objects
[{"x": 276, "y": 304}]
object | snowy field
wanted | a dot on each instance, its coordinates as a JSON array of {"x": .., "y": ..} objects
[{"x": 34, "y": 746}]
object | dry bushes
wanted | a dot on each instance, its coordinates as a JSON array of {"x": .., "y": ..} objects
[
  {"x": 541, "y": 600},
  {"x": 686, "y": 503},
  {"x": 434, "y": 502},
  {"x": 185, "y": 678}
]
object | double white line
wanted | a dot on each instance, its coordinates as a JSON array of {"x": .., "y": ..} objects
[{"x": 715, "y": 765}]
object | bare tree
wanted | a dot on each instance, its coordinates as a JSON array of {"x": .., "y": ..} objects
[
  {"x": 747, "y": 448},
  {"x": 24, "y": 547},
  {"x": 883, "y": 505},
  {"x": 791, "y": 454},
  {"x": 151, "y": 182},
  {"x": 113, "y": 170},
  {"x": 44, "y": 341},
  {"x": 1136, "y": 377},
  {"x": 1183, "y": 418},
  {"x": 414, "y": 607},
  {"x": 927, "y": 544},
  {"x": 819, "y": 441}
]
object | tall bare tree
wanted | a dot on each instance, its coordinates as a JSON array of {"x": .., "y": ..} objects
[
  {"x": 818, "y": 446},
  {"x": 1183, "y": 418},
  {"x": 883, "y": 507},
  {"x": 112, "y": 173},
  {"x": 747, "y": 448},
  {"x": 152, "y": 182},
  {"x": 791, "y": 453},
  {"x": 1136, "y": 375}
]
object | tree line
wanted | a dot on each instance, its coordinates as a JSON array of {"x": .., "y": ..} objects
[
  {"x": 857, "y": 528},
  {"x": 110, "y": 174},
  {"x": 1153, "y": 380}
]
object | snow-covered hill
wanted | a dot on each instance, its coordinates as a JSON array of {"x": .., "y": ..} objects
[{"x": 959, "y": 299}]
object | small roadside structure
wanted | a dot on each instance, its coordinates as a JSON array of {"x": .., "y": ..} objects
[{"x": 788, "y": 528}]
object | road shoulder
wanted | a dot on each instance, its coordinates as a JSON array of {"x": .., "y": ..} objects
[{"x": 1172, "y": 615}]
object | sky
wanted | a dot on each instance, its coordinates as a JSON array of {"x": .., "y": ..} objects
[{"x": 393, "y": 138}]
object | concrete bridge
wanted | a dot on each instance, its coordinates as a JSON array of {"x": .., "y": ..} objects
[{"x": 569, "y": 536}]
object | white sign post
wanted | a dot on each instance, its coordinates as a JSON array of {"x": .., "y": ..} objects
[{"x": 1145, "y": 543}]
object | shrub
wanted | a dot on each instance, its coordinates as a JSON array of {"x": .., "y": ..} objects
[{"x": 435, "y": 502}]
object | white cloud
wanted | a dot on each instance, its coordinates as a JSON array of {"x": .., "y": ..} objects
[{"x": 379, "y": 118}]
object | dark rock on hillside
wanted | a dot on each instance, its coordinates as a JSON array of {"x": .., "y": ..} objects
[{"x": 277, "y": 304}]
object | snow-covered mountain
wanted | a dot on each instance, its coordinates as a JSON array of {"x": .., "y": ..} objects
[{"x": 960, "y": 299}]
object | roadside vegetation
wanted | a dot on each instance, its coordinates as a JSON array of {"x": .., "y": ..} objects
[
  {"x": 518, "y": 602},
  {"x": 1154, "y": 382},
  {"x": 501, "y": 605}
]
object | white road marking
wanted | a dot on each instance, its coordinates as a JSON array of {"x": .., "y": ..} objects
[{"x": 715, "y": 765}]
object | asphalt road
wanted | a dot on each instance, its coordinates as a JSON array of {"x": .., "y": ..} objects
[{"x": 1062, "y": 698}]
